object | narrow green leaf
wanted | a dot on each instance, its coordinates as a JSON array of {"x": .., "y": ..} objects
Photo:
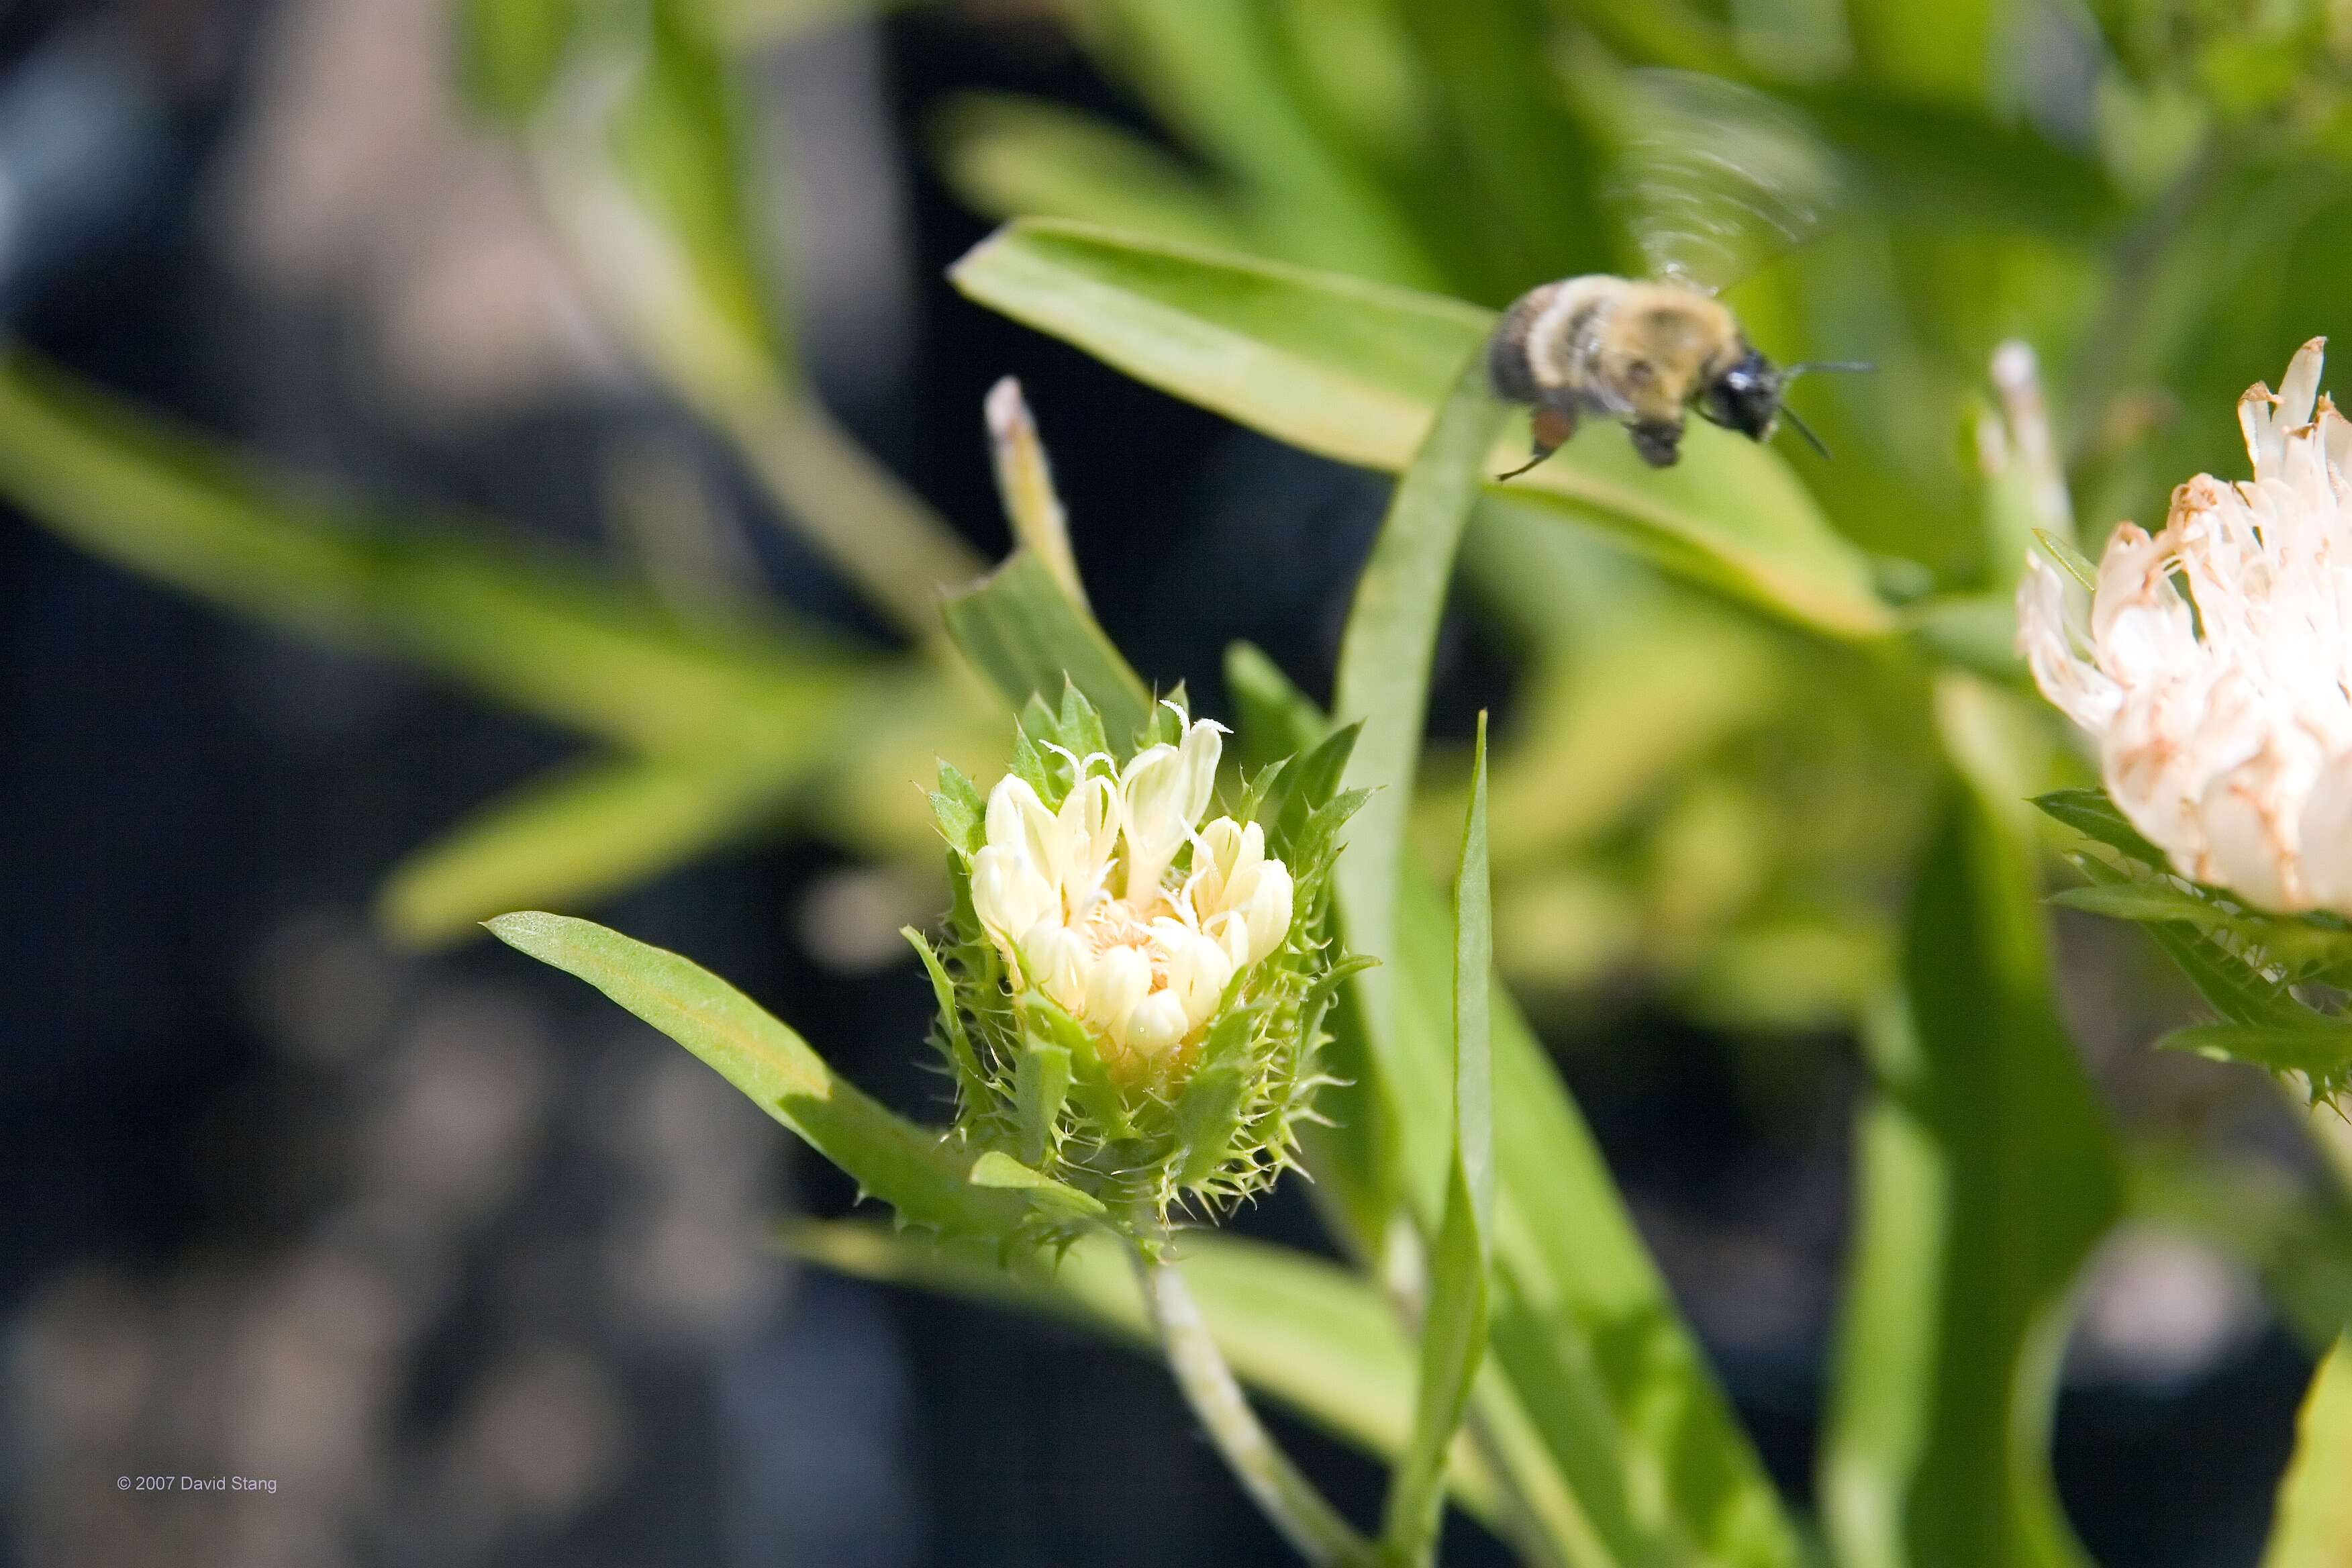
[
  {"x": 2314, "y": 1525},
  {"x": 970, "y": 1079},
  {"x": 1041, "y": 1081},
  {"x": 1021, "y": 631},
  {"x": 1217, "y": 72},
  {"x": 906, "y": 1166},
  {"x": 581, "y": 832},
  {"x": 1020, "y": 157},
  {"x": 2064, "y": 554},
  {"x": 2090, "y": 813},
  {"x": 1613, "y": 1433},
  {"x": 1356, "y": 372},
  {"x": 1453, "y": 1328},
  {"x": 1208, "y": 1114},
  {"x": 2319, "y": 1048},
  {"x": 1301, "y": 1330},
  {"x": 1055, "y": 1200},
  {"x": 1986, "y": 1175},
  {"x": 1385, "y": 654},
  {"x": 530, "y": 627},
  {"x": 508, "y": 51}
]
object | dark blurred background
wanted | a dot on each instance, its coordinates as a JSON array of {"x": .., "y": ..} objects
[{"x": 475, "y": 1268}]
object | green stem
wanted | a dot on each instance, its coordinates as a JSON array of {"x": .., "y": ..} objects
[{"x": 1287, "y": 1499}]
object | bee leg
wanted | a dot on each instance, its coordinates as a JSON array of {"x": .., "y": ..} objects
[
  {"x": 1550, "y": 429},
  {"x": 1658, "y": 441}
]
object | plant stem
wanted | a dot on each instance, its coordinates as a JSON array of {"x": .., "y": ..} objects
[{"x": 1288, "y": 1499}]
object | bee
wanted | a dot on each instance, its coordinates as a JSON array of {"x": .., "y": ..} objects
[{"x": 1641, "y": 352}]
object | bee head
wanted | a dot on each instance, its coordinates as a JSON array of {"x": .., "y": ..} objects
[{"x": 1747, "y": 397}]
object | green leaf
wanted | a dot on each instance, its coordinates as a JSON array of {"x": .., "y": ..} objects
[
  {"x": 1056, "y": 1201},
  {"x": 1986, "y": 1175},
  {"x": 970, "y": 1082},
  {"x": 2090, "y": 813},
  {"x": 2320, "y": 1049},
  {"x": 1356, "y": 372},
  {"x": 647, "y": 162},
  {"x": 1453, "y": 1329},
  {"x": 1217, "y": 72},
  {"x": 530, "y": 626},
  {"x": 1021, "y": 157},
  {"x": 1021, "y": 631},
  {"x": 1304, "y": 1331},
  {"x": 581, "y": 832},
  {"x": 2313, "y": 1524},
  {"x": 2064, "y": 555},
  {"x": 680, "y": 140},
  {"x": 906, "y": 1166},
  {"x": 1617, "y": 1444},
  {"x": 1041, "y": 1081},
  {"x": 508, "y": 51},
  {"x": 1385, "y": 654}
]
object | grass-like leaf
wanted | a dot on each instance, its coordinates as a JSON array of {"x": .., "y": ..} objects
[
  {"x": 929, "y": 1181},
  {"x": 1304, "y": 1332},
  {"x": 2313, "y": 1527},
  {"x": 527, "y": 625},
  {"x": 1385, "y": 657},
  {"x": 1028, "y": 637},
  {"x": 580, "y": 832},
  {"x": 2090, "y": 813},
  {"x": 1986, "y": 1175},
  {"x": 1593, "y": 1378},
  {"x": 1453, "y": 1328},
  {"x": 1357, "y": 371},
  {"x": 1022, "y": 157}
]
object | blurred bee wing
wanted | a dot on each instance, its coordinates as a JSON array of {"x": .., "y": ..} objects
[{"x": 1713, "y": 180}]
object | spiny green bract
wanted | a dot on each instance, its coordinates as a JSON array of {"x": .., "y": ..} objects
[
  {"x": 1212, "y": 1117},
  {"x": 2259, "y": 972}
]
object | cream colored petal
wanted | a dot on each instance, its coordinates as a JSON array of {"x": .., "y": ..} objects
[
  {"x": 2300, "y": 388},
  {"x": 1117, "y": 981},
  {"x": 2326, "y": 836},
  {"x": 1155, "y": 1024},
  {"x": 2079, "y": 688},
  {"x": 1058, "y": 962},
  {"x": 1018, "y": 820},
  {"x": 1197, "y": 973},
  {"x": 1269, "y": 909},
  {"x": 2247, "y": 848},
  {"x": 1008, "y": 894},
  {"x": 1088, "y": 826}
]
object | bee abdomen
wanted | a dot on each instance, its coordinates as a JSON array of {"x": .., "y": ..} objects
[{"x": 1508, "y": 364}]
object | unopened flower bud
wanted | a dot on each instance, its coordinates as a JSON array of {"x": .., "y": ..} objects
[{"x": 1112, "y": 956}]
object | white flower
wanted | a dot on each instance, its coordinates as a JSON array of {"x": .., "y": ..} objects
[
  {"x": 1144, "y": 965},
  {"x": 2213, "y": 663}
]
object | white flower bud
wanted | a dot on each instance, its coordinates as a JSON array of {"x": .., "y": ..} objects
[
  {"x": 1198, "y": 969},
  {"x": 1267, "y": 911},
  {"x": 1017, "y": 820},
  {"x": 1163, "y": 792},
  {"x": 1058, "y": 962},
  {"x": 1008, "y": 894},
  {"x": 1116, "y": 983},
  {"x": 1088, "y": 827},
  {"x": 1156, "y": 1024},
  {"x": 1224, "y": 864}
]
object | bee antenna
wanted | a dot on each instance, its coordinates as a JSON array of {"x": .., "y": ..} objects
[
  {"x": 1806, "y": 431},
  {"x": 1843, "y": 366},
  {"x": 1523, "y": 467}
]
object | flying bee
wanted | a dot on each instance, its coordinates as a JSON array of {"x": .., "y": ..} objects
[{"x": 1641, "y": 352}]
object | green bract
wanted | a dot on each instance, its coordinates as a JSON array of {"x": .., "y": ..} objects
[{"x": 1133, "y": 979}]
